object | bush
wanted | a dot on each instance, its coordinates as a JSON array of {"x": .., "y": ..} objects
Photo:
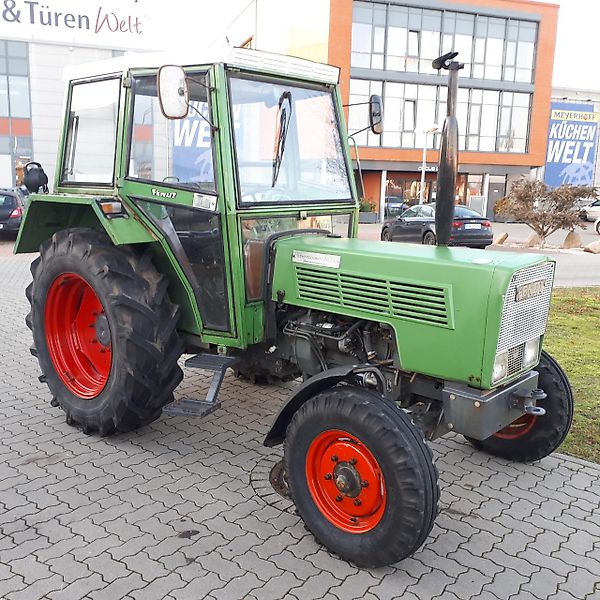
[{"x": 542, "y": 208}]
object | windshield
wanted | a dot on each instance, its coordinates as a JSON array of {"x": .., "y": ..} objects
[
  {"x": 287, "y": 143},
  {"x": 179, "y": 151}
]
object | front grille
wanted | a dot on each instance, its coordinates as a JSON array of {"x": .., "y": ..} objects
[
  {"x": 525, "y": 320},
  {"x": 400, "y": 299},
  {"x": 515, "y": 360}
]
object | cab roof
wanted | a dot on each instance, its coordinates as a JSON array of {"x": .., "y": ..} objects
[{"x": 236, "y": 57}]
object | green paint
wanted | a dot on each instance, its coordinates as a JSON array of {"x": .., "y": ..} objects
[{"x": 443, "y": 305}]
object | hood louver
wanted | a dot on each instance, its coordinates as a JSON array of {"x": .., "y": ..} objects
[{"x": 401, "y": 299}]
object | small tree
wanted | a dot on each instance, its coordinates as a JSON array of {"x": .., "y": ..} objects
[{"x": 542, "y": 208}]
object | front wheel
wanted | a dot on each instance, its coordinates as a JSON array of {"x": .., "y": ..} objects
[
  {"x": 361, "y": 476},
  {"x": 429, "y": 239},
  {"x": 386, "y": 235},
  {"x": 598, "y": 226},
  {"x": 530, "y": 438}
]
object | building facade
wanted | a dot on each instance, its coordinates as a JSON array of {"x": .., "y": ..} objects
[
  {"x": 386, "y": 48},
  {"x": 37, "y": 42}
]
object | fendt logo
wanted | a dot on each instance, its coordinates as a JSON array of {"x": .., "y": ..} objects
[{"x": 160, "y": 194}]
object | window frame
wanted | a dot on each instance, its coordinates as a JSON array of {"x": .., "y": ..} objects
[
  {"x": 66, "y": 141},
  {"x": 195, "y": 71},
  {"x": 237, "y": 74}
]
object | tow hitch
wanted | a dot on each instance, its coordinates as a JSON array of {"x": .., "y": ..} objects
[{"x": 528, "y": 402}]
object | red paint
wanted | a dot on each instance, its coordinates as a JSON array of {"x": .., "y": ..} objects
[
  {"x": 522, "y": 426},
  {"x": 80, "y": 360},
  {"x": 110, "y": 21},
  {"x": 350, "y": 514}
]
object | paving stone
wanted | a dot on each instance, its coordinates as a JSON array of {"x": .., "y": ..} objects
[{"x": 180, "y": 509}]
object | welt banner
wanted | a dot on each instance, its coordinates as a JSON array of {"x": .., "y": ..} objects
[{"x": 572, "y": 140}]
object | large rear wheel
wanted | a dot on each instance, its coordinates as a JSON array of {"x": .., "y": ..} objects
[
  {"x": 530, "y": 437},
  {"x": 361, "y": 476},
  {"x": 104, "y": 331}
]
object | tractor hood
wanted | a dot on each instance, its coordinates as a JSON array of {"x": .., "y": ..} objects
[{"x": 445, "y": 304}]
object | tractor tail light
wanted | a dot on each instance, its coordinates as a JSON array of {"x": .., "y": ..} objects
[{"x": 16, "y": 213}]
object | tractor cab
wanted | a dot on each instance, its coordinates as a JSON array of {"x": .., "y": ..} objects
[{"x": 216, "y": 156}]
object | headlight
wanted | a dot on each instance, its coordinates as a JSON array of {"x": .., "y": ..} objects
[
  {"x": 531, "y": 352},
  {"x": 500, "y": 367}
]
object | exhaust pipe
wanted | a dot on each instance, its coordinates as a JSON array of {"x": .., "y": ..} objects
[{"x": 448, "y": 163}]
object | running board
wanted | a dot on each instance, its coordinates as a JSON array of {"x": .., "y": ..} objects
[{"x": 198, "y": 408}]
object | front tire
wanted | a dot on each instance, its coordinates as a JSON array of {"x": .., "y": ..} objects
[
  {"x": 386, "y": 235},
  {"x": 104, "y": 331},
  {"x": 531, "y": 438},
  {"x": 361, "y": 476}
]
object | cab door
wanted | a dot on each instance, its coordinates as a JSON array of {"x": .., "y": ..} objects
[{"x": 171, "y": 178}]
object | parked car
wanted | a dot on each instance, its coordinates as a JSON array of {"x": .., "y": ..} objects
[
  {"x": 417, "y": 224},
  {"x": 591, "y": 212},
  {"x": 394, "y": 206},
  {"x": 12, "y": 206}
]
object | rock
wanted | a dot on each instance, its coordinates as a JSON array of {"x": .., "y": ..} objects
[
  {"x": 501, "y": 239},
  {"x": 593, "y": 247},
  {"x": 572, "y": 240},
  {"x": 533, "y": 241}
]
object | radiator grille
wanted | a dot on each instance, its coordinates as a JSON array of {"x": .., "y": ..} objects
[
  {"x": 403, "y": 300},
  {"x": 524, "y": 320}
]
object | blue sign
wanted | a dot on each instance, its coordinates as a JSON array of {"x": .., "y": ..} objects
[
  {"x": 192, "y": 147},
  {"x": 572, "y": 139}
]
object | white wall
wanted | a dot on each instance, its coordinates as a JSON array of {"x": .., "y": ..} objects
[{"x": 46, "y": 64}]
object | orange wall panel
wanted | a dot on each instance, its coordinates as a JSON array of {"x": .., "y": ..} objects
[{"x": 340, "y": 40}]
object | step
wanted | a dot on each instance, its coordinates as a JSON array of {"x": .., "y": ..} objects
[{"x": 187, "y": 407}]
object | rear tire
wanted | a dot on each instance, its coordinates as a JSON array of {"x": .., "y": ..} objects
[
  {"x": 429, "y": 239},
  {"x": 374, "y": 511},
  {"x": 531, "y": 438},
  {"x": 104, "y": 331}
]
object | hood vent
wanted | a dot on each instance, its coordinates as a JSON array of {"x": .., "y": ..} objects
[{"x": 399, "y": 299}]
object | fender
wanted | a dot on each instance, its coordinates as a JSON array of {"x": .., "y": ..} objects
[
  {"x": 314, "y": 385},
  {"x": 47, "y": 214}
]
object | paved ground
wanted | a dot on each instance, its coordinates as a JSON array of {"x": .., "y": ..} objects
[
  {"x": 183, "y": 509},
  {"x": 573, "y": 268}
]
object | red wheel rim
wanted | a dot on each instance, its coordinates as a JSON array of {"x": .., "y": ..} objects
[
  {"x": 78, "y": 335},
  {"x": 522, "y": 426},
  {"x": 345, "y": 481}
]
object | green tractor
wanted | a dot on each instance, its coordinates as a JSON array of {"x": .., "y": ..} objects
[{"x": 211, "y": 209}]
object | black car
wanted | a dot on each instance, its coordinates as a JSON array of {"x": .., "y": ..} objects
[
  {"x": 12, "y": 206},
  {"x": 417, "y": 225}
]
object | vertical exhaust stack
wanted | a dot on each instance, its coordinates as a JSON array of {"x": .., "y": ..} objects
[{"x": 448, "y": 164}]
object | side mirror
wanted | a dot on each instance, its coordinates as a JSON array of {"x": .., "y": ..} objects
[
  {"x": 173, "y": 94},
  {"x": 376, "y": 114}
]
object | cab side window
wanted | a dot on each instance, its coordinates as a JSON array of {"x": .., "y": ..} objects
[{"x": 89, "y": 156}]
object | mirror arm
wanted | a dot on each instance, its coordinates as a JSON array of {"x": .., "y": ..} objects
[
  {"x": 359, "y": 131},
  {"x": 213, "y": 128},
  {"x": 355, "y": 104}
]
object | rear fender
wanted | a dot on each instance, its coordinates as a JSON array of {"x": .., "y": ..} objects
[
  {"x": 311, "y": 387},
  {"x": 45, "y": 215}
]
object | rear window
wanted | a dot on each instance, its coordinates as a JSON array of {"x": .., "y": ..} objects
[
  {"x": 464, "y": 213},
  {"x": 8, "y": 201}
]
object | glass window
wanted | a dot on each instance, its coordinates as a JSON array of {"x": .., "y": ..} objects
[
  {"x": 91, "y": 138},
  {"x": 255, "y": 231},
  {"x": 175, "y": 151},
  {"x": 18, "y": 88},
  {"x": 3, "y": 97},
  {"x": 287, "y": 143},
  {"x": 411, "y": 212}
]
